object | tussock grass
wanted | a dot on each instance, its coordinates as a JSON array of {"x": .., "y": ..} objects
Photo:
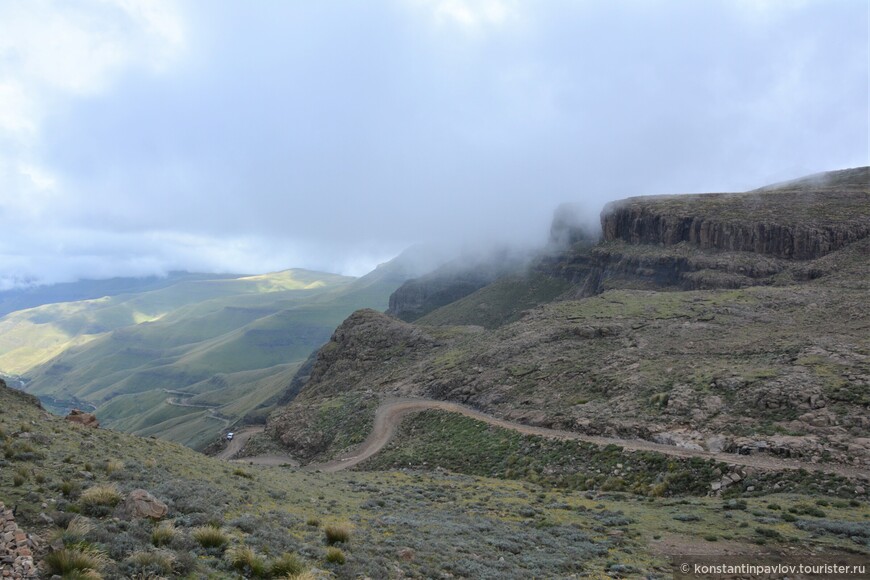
[
  {"x": 76, "y": 560},
  {"x": 163, "y": 534},
  {"x": 101, "y": 495},
  {"x": 210, "y": 537},
  {"x": 337, "y": 534},
  {"x": 113, "y": 465},
  {"x": 286, "y": 565},
  {"x": 75, "y": 531},
  {"x": 99, "y": 499},
  {"x": 246, "y": 561},
  {"x": 334, "y": 555},
  {"x": 70, "y": 488}
]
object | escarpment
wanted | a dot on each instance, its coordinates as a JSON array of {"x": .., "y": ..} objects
[
  {"x": 801, "y": 220},
  {"x": 707, "y": 321}
]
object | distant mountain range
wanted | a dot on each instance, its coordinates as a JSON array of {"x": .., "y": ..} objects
[{"x": 184, "y": 356}]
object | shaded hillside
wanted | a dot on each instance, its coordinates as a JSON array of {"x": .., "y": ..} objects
[
  {"x": 452, "y": 281},
  {"x": 743, "y": 351}
]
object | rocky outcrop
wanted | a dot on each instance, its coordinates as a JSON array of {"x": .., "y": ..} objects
[
  {"x": 800, "y": 225},
  {"x": 638, "y": 224},
  {"x": 367, "y": 339},
  {"x": 81, "y": 418},
  {"x": 141, "y": 504},
  {"x": 16, "y": 549}
]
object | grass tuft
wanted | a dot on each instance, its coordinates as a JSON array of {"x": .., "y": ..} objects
[
  {"x": 76, "y": 560},
  {"x": 334, "y": 555},
  {"x": 246, "y": 561},
  {"x": 163, "y": 534},
  {"x": 286, "y": 565},
  {"x": 337, "y": 534},
  {"x": 210, "y": 537}
]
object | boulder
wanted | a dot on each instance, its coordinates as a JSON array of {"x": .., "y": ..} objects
[
  {"x": 141, "y": 504},
  {"x": 82, "y": 418}
]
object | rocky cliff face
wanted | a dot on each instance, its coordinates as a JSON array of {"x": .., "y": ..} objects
[
  {"x": 635, "y": 222},
  {"x": 774, "y": 363},
  {"x": 801, "y": 220}
]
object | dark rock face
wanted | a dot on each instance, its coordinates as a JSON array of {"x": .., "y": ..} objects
[
  {"x": 636, "y": 223},
  {"x": 800, "y": 220}
]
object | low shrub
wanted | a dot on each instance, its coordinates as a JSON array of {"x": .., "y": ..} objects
[{"x": 148, "y": 564}]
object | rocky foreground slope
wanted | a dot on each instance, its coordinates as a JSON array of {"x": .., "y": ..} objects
[{"x": 723, "y": 322}]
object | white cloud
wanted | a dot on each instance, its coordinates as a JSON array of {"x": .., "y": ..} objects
[
  {"x": 51, "y": 51},
  {"x": 471, "y": 15}
]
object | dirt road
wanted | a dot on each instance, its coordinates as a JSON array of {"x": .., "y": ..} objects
[
  {"x": 240, "y": 438},
  {"x": 390, "y": 414}
]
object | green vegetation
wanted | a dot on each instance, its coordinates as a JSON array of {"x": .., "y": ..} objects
[
  {"x": 187, "y": 360},
  {"x": 441, "y": 439},
  {"x": 210, "y": 537},
  {"x": 499, "y": 303},
  {"x": 99, "y": 499},
  {"x": 286, "y": 565},
  {"x": 337, "y": 534},
  {"x": 424, "y": 513},
  {"x": 83, "y": 561},
  {"x": 335, "y": 555}
]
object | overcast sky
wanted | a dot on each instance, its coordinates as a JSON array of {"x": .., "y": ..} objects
[{"x": 140, "y": 136}]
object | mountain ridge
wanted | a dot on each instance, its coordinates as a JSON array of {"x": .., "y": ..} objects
[{"x": 609, "y": 355}]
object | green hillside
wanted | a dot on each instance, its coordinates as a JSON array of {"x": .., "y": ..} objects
[
  {"x": 33, "y": 296},
  {"x": 226, "y": 346}
]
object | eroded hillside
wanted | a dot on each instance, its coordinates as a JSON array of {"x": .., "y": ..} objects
[{"x": 717, "y": 322}]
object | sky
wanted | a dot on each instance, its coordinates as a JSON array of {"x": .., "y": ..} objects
[{"x": 143, "y": 136}]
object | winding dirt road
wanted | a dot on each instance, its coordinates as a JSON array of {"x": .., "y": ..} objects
[
  {"x": 240, "y": 438},
  {"x": 390, "y": 414}
]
